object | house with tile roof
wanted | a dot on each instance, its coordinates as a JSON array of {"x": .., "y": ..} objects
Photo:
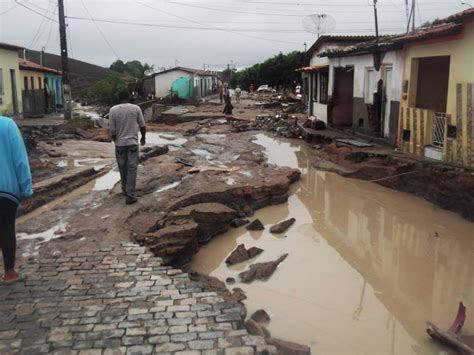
[{"x": 424, "y": 106}]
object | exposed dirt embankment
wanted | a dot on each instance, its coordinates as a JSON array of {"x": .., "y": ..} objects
[{"x": 445, "y": 186}]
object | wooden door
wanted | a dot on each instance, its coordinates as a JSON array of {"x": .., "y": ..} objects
[{"x": 343, "y": 96}]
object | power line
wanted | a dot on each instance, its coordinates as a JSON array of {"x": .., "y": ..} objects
[
  {"x": 100, "y": 31},
  {"x": 50, "y": 28},
  {"x": 197, "y": 22},
  {"x": 35, "y": 11},
  {"x": 8, "y": 10},
  {"x": 39, "y": 30},
  {"x": 213, "y": 28}
]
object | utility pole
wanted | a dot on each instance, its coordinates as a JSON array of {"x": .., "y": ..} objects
[
  {"x": 67, "y": 100},
  {"x": 376, "y": 23},
  {"x": 413, "y": 8},
  {"x": 305, "y": 46},
  {"x": 407, "y": 12}
]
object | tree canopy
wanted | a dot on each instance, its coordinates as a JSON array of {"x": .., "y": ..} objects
[
  {"x": 279, "y": 70},
  {"x": 132, "y": 68}
]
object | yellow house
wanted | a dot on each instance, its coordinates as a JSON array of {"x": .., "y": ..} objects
[
  {"x": 10, "y": 89},
  {"x": 436, "y": 116}
]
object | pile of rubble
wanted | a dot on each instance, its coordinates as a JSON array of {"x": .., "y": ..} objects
[{"x": 283, "y": 124}]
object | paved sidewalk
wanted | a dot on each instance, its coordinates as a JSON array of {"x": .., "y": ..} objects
[{"x": 117, "y": 300}]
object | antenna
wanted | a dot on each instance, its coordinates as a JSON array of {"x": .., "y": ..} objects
[
  {"x": 149, "y": 72},
  {"x": 319, "y": 23}
]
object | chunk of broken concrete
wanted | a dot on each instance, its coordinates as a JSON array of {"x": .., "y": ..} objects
[
  {"x": 289, "y": 348},
  {"x": 241, "y": 254},
  {"x": 239, "y": 222},
  {"x": 255, "y": 226},
  {"x": 238, "y": 294},
  {"x": 230, "y": 280},
  {"x": 261, "y": 271},
  {"x": 261, "y": 316},
  {"x": 282, "y": 227},
  {"x": 256, "y": 329}
]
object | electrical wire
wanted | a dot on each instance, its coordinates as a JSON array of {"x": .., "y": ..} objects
[
  {"x": 35, "y": 11},
  {"x": 201, "y": 24},
  {"x": 100, "y": 31},
  {"x": 8, "y": 10},
  {"x": 37, "y": 35},
  {"x": 50, "y": 28},
  {"x": 121, "y": 22}
]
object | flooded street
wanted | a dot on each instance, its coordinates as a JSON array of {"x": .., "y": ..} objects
[{"x": 367, "y": 266}]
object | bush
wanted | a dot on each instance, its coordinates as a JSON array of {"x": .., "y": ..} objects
[{"x": 106, "y": 91}]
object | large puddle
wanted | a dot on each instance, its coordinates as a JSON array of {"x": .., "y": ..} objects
[{"x": 367, "y": 266}]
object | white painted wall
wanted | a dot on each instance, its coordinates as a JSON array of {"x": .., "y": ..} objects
[
  {"x": 164, "y": 81},
  {"x": 361, "y": 63},
  {"x": 320, "y": 110}
]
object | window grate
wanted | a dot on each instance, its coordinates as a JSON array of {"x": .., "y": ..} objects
[{"x": 439, "y": 127}]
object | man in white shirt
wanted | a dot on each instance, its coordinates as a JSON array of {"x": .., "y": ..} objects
[{"x": 125, "y": 120}]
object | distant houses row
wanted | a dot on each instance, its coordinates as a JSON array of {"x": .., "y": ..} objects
[
  {"x": 413, "y": 90},
  {"x": 27, "y": 89}
]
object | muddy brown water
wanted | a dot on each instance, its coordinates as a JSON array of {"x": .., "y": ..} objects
[{"x": 367, "y": 266}]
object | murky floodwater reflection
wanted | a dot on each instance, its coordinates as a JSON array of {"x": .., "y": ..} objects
[{"x": 367, "y": 267}]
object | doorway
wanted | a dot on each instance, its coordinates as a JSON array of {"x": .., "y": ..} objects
[
  {"x": 14, "y": 92},
  {"x": 343, "y": 96},
  {"x": 387, "y": 94}
]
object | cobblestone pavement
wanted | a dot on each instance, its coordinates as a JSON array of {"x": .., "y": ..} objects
[{"x": 117, "y": 300}]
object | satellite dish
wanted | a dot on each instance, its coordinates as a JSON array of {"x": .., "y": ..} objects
[
  {"x": 149, "y": 72},
  {"x": 319, "y": 24}
]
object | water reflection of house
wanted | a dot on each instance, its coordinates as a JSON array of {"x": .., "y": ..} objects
[{"x": 417, "y": 275}]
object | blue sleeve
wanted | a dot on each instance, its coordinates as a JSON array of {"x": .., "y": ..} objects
[{"x": 20, "y": 161}]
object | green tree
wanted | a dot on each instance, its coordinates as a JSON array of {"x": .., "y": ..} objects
[
  {"x": 106, "y": 91},
  {"x": 279, "y": 70},
  {"x": 133, "y": 68}
]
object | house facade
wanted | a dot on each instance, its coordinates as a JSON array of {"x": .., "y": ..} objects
[
  {"x": 436, "y": 117},
  {"x": 10, "y": 87},
  {"x": 201, "y": 81},
  {"x": 36, "y": 95},
  {"x": 365, "y": 93},
  {"x": 316, "y": 75},
  {"x": 54, "y": 92}
]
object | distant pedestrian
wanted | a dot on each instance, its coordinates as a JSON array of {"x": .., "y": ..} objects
[
  {"x": 221, "y": 93},
  {"x": 125, "y": 120},
  {"x": 238, "y": 92},
  {"x": 228, "y": 109},
  {"x": 15, "y": 186}
]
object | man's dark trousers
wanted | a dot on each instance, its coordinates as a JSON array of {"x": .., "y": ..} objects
[{"x": 127, "y": 160}]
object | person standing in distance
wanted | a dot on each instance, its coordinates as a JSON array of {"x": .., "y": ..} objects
[
  {"x": 125, "y": 120},
  {"x": 15, "y": 188}
]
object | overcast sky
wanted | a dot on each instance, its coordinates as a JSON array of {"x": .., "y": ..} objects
[{"x": 239, "y": 31}]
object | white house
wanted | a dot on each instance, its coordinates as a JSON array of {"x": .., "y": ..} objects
[
  {"x": 365, "y": 86},
  {"x": 203, "y": 81},
  {"x": 316, "y": 73}
]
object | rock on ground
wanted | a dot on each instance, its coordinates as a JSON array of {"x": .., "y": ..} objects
[
  {"x": 261, "y": 271},
  {"x": 289, "y": 348},
  {"x": 256, "y": 329},
  {"x": 241, "y": 254},
  {"x": 282, "y": 227},
  {"x": 261, "y": 316},
  {"x": 256, "y": 226}
]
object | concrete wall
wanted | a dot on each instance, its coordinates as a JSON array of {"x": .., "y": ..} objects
[
  {"x": 9, "y": 61},
  {"x": 316, "y": 108},
  {"x": 460, "y": 48},
  {"x": 393, "y": 60},
  {"x": 164, "y": 81}
]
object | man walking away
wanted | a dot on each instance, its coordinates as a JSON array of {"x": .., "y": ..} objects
[
  {"x": 125, "y": 120},
  {"x": 15, "y": 184},
  {"x": 238, "y": 92}
]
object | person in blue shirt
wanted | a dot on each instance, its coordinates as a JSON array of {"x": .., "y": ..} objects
[{"x": 15, "y": 188}]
